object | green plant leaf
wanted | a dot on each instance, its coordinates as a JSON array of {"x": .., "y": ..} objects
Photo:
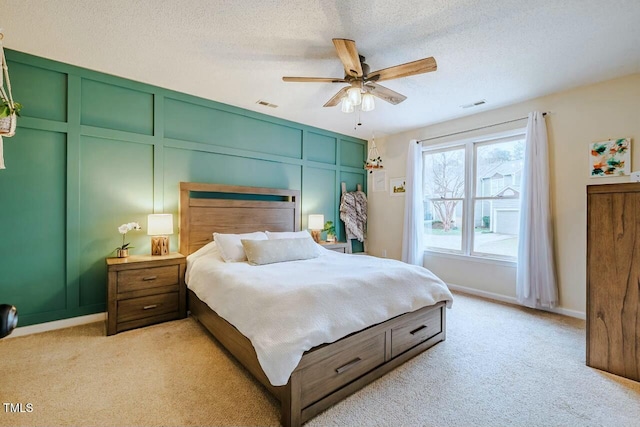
[
  {"x": 329, "y": 228},
  {"x": 17, "y": 108},
  {"x": 6, "y": 111}
]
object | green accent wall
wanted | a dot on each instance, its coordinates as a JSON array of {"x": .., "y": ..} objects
[{"x": 93, "y": 151}]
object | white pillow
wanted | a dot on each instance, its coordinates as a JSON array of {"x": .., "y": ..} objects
[
  {"x": 261, "y": 252},
  {"x": 230, "y": 247},
  {"x": 272, "y": 235}
]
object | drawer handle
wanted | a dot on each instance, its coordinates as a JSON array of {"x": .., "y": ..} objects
[
  {"x": 348, "y": 365},
  {"x": 416, "y": 330},
  {"x": 148, "y": 307},
  {"x": 146, "y": 279}
]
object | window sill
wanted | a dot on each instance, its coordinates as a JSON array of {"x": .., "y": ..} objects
[{"x": 471, "y": 258}]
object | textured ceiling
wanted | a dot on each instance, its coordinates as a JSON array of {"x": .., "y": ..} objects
[{"x": 503, "y": 51}]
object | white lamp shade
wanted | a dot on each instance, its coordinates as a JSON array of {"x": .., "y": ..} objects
[
  {"x": 159, "y": 224},
  {"x": 316, "y": 222},
  {"x": 368, "y": 103},
  {"x": 355, "y": 95},
  {"x": 347, "y": 106}
]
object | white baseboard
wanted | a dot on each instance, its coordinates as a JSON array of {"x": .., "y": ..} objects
[
  {"x": 512, "y": 300},
  {"x": 57, "y": 324},
  {"x": 566, "y": 312},
  {"x": 97, "y": 317}
]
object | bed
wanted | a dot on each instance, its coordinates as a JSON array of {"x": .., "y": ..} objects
[{"x": 325, "y": 373}]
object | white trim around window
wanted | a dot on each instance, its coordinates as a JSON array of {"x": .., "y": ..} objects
[{"x": 508, "y": 197}]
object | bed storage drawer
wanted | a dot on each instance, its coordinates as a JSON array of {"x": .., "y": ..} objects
[
  {"x": 326, "y": 376},
  {"x": 414, "y": 330}
]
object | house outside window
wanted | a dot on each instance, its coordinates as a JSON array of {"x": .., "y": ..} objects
[{"x": 472, "y": 196}]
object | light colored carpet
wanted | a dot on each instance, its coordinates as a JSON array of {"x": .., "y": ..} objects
[{"x": 500, "y": 366}]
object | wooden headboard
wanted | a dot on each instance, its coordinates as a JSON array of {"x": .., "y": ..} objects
[{"x": 209, "y": 208}]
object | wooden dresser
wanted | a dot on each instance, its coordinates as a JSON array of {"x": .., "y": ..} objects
[
  {"x": 143, "y": 290},
  {"x": 613, "y": 278}
]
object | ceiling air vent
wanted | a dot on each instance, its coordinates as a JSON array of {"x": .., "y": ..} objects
[
  {"x": 266, "y": 104},
  {"x": 474, "y": 104}
]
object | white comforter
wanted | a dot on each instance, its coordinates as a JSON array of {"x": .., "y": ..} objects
[{"x": 287, "y": 308}]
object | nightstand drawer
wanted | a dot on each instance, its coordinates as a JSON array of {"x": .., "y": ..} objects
[
  {"x": 154, "y": 305},
  {"x": 150, "y": 277},
  {"x": 415, "y": 330}
]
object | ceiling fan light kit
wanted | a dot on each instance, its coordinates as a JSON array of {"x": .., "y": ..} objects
[
  {"x": 363, "y": 85},
  {"x": 354, "y": 93},
  {"x": 368, "y": 102},
  {"x": 347, "y": 105}
]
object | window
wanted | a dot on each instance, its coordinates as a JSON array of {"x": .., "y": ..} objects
[{"x": 472, "y": 196}]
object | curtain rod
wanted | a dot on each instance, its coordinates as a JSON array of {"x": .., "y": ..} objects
[{"x": 479, "y": 128}]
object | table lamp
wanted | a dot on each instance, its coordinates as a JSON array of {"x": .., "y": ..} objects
[
  {"x": 159, "y": 226},
  {"x": 316, "y": 225}
]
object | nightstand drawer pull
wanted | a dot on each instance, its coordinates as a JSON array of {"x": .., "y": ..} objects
[
  {"x": 348, "y": 365},
  {"x": 147, "y": 307},
  {"x": 415, "y": 331},
  {"x": 146, "y": 279}
]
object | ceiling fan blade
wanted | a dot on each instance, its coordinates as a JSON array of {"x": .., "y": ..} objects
[
  {"x": 384, "y": 93},
  {"x": 348, "y": 54},
  {"x": 420, "y": 66},
  {"x": 314, "y": 79},
  {"x": 337, "y": 97}
]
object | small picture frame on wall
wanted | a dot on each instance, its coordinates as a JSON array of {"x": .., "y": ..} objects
[
  {"x": 379, "y": 181},
  {"x": 610, "y": 158},
  {"x": 397, "y": 186}
]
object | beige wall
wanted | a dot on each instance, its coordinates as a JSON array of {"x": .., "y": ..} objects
[{"x": 579, "y": 116}]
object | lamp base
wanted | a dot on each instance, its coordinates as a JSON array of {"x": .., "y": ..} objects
[
  {"x": 160, "y": 245},
  {"x": 316, "y": 235}
]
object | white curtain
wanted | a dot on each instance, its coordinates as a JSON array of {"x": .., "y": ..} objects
[
  {"x": 536, "y": 278},
  {"x": 412, "y": 249}
]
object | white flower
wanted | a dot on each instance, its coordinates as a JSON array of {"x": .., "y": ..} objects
[{"x": 123, "y": 229}]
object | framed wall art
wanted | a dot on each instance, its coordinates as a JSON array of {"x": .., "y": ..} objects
[
  {"x": 610, "y": 158},
  {"x": 397, "y": 186},
  {"x": 379, "y": 181}
]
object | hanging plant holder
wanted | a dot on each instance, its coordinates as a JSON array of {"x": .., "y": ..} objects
[
  {"x": 374, "y": 161},
  {"x": 9, "y": 110},
  {"x": 8, "y": 125}
]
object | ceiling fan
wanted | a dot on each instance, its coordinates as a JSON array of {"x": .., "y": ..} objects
[{"x": 363, "y": 85}]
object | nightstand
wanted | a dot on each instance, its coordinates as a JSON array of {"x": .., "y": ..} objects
[
  {"x": 145, "y": 289},
  {"x": 342, "y": 247}
]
